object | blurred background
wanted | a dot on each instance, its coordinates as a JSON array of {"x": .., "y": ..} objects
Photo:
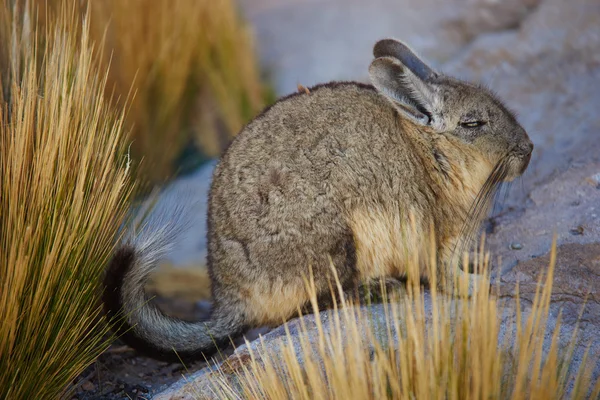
[{"x": 190, "y": 74}]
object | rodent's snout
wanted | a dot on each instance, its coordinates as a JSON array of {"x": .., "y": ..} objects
[{"x": 525, "y": 149}]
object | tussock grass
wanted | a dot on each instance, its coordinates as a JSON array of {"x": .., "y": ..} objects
[
  {"x": 433, "y": 347},
  {"x": 63, "y": 191},
  {"x": 192, "y": 67}
]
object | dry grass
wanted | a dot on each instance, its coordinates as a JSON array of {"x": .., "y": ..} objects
[
  {"x": 448, "y": 350},
  {"x": 63, "y": 191},
  {"x": 193, "y": 68},
  {"x": 191, "y": 64}
]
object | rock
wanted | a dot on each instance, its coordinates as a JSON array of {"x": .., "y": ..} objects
[
  {"x": 543, "y": 58},
  {"x": 201, "y": 384},
  {"x": 88, "y": 386},
  {"x": 565, "y": 202},
  {"x": 516, "y": 246},
  {"x": 576, "y": 291},
  {"x": 308, "y": 42},
  {"x": 595, "y": 180},
  {"x": 575, "y": 294}
]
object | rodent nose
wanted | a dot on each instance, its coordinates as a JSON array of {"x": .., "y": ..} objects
[{"x": 526, "y": 147}]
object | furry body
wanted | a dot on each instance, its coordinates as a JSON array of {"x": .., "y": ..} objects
[{"x": 336, "y": 174}]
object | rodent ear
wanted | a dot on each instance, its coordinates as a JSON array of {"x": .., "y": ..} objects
[
  {"x": 412, "y": 96},
  {"x": 398, "y": 50}
]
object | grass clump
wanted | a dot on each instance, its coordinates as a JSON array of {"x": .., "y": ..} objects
[
  {"x": 192, "y": 67},
  {"x": 63, "y": 191},
  {"x": 430, "y": 346}
]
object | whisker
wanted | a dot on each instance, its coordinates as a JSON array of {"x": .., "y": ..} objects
[
  {"x": 522, "y": 186},
  {"x": 501, "y": 197},
  {"x": 500, "y": 193},
  {"x": 479, "y": 206},
  {"x": 507, "y": 192}
]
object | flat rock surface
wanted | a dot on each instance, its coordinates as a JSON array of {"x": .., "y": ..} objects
[
  {"x": 541, "y": 56},
  {"x": 575, "y": 300},
  {"x": 576, "y": 283}
]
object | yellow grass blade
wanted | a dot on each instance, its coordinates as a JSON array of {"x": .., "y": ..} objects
[
  {"x": 63, "y": 193},
  {"x": 190, "y": 65},
  {"x": 451, "y": 351}
]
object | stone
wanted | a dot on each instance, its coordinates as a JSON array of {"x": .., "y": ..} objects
[
  {"x": 543, "y": 59},
  {"x": 88, "y": 386},
  {"x": 575, "y": 294},
  {"x": 516, "y": 246},
  {"x": 595, "y": 180},
  {"x": 575, "y": 299},
  {"x": 333, "y": 40}
]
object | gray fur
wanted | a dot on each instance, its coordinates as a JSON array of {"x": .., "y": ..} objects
[
  {"x": 400, "y": 51},
  {"x": 334, "y": 174}
]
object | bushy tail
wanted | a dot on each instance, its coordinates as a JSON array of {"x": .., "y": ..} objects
[{"x": 143, "y": 326}]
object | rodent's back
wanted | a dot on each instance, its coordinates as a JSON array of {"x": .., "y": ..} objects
[
  {"x": 303, "y": 124},
  {"x": 342, "y": 139}
]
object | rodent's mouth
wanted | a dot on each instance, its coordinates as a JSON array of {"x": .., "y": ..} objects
[
  {"x": 517, "y": 164},
  {"x": 525, "y": 163}
]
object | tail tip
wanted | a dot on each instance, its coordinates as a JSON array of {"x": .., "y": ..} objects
[{"x": 120, "y": 264}]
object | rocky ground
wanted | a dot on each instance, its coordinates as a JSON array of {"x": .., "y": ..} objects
[
  {"x": 541, "y": 56},
  {"x": 120, "y": 373}
]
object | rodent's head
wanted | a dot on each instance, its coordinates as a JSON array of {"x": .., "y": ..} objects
[{"x": 449, "y": 106}]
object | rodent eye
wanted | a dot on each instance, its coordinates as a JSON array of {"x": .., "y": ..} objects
[{"x": 472, "y": 124}]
